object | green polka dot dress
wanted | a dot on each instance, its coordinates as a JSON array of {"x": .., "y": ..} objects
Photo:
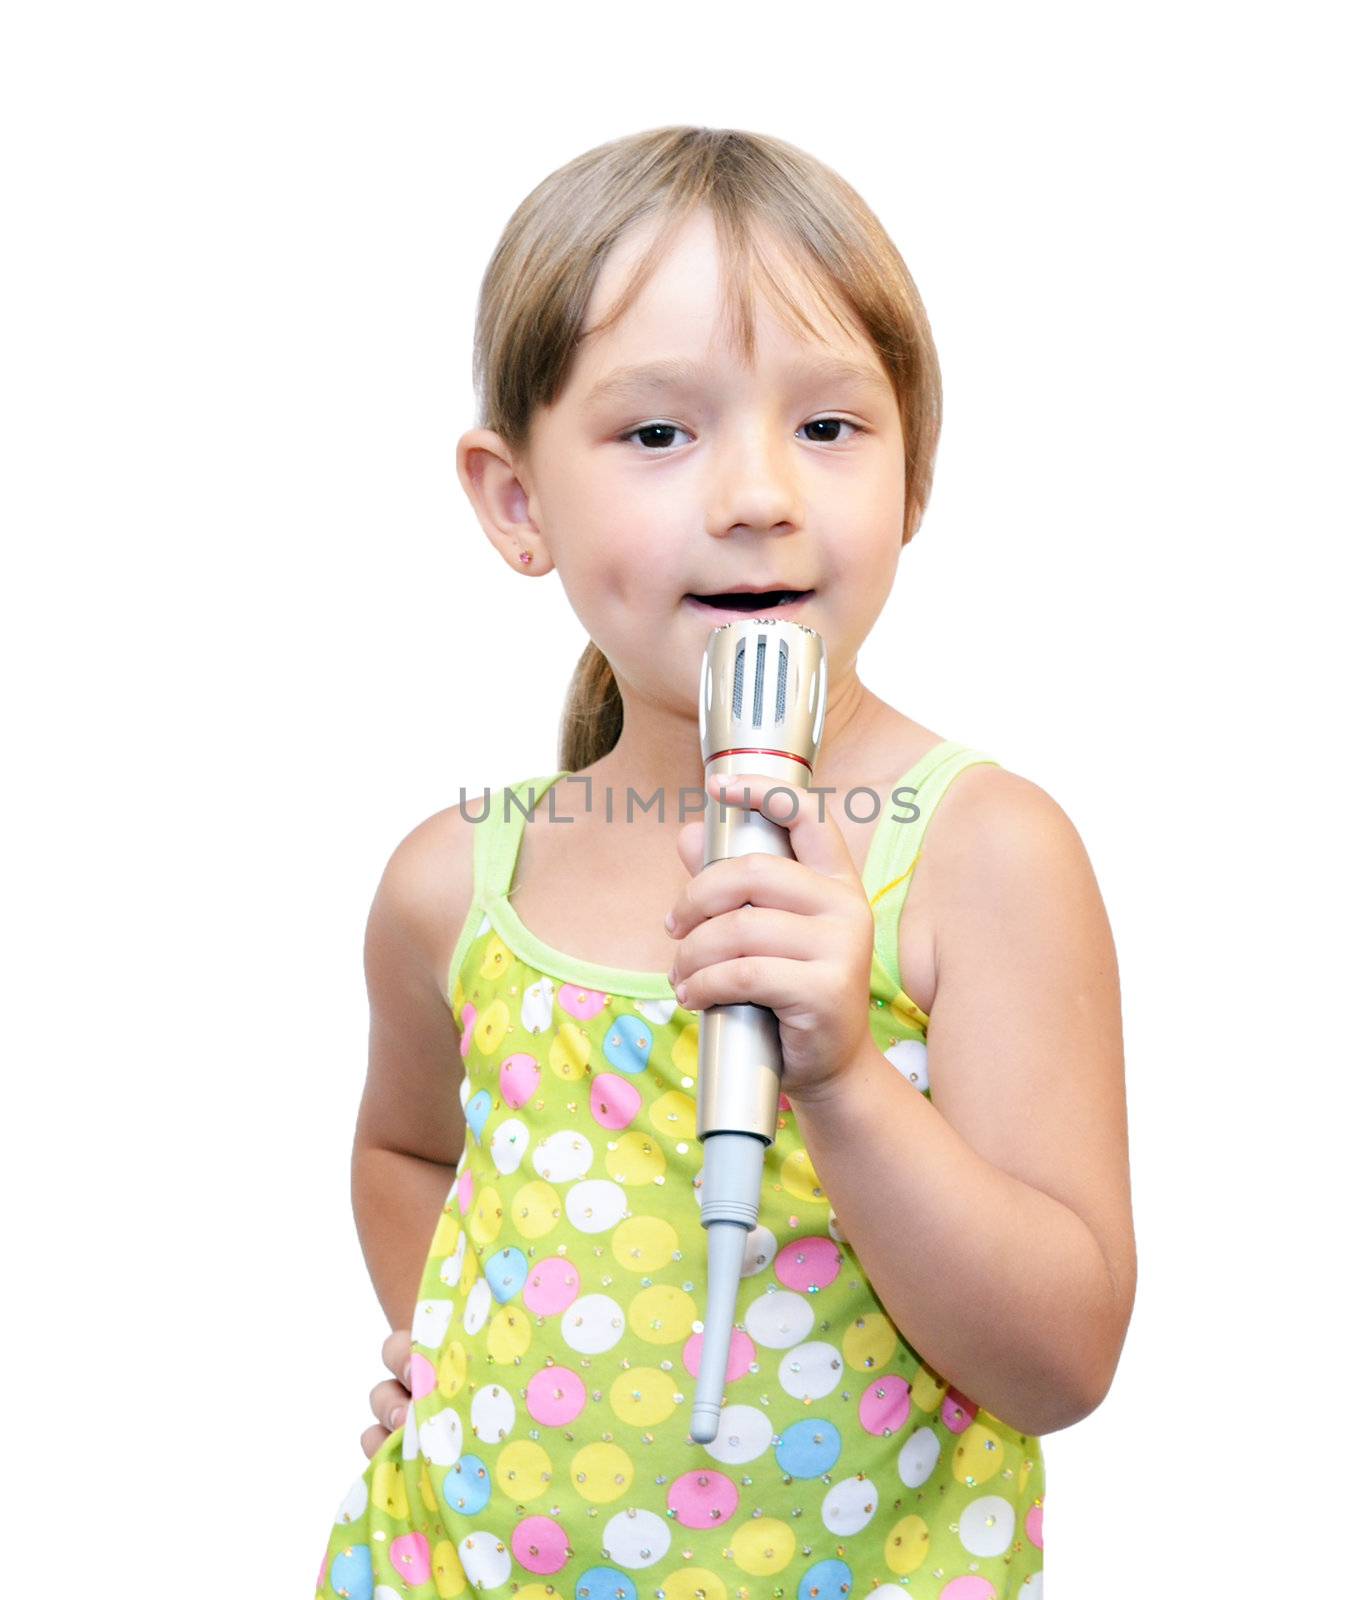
[{"x": 546, "y": 1453}]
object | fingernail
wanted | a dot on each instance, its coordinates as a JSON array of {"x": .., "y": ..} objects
[
  {"x": 404, "y": 1376},
  {"x": 671, "y": 922},
  {"x": 396, "y": 1418}
]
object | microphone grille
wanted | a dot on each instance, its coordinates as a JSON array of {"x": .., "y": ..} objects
[
  {"x": 763, "y": 684},
  {"x": 758, "y": 680}
]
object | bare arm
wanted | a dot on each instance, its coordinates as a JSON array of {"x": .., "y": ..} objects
[
  {"x": 410, "y": 1125},
  {"x": 996, "y": 1224}
]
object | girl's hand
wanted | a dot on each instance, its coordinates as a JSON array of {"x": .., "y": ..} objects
[
  {"x": 791, "y": 935},
  {"x": 386, "y": 1397}
]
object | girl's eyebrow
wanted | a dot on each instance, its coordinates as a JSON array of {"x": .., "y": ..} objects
[{"x": 658, "y": 375}]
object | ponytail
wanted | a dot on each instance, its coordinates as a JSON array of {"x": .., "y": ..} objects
[{"x": 593, "y": 716}]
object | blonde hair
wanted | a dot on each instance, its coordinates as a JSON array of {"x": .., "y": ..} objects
[{"x": 539, "y": 280}]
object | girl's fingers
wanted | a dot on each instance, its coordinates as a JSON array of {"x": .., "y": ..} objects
[
  {"x": 386, "y": 1399},
  {"x": 754, "y": 879},
  {"x": 395, "y": 1352},
  {"x": 817, "y": 842},
  {"x": 372, "y": 1440},
  {"x": 390, "y": 1398},
  {"x": 750, "y": 980},
  {"x": 750, "y": 930},
  {"x": 774, "y": 882}
]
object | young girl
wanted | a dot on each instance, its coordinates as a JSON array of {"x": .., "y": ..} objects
[{"x": 708, "y": 390}]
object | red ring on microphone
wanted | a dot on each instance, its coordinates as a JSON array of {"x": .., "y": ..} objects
[{"x": 756, "y": 750}]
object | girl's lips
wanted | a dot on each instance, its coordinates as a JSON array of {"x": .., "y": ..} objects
[{"x": 743, "y": 605}]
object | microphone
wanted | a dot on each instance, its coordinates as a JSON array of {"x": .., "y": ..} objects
[{"x": 763, "y": 689}]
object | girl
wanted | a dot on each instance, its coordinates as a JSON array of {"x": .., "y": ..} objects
[{"x": 943, "y": 1268}]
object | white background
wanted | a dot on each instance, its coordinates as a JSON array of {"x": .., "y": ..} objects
[{"x": 253, "y": 635}]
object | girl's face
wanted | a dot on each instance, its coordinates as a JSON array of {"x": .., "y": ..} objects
[{"x": 655, "y": 496}]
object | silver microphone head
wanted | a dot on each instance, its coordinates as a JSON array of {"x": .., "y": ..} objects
[{"x": 763, "y": 688}]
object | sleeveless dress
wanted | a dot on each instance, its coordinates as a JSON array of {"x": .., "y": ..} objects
[{"x": 546, "y": 1451}]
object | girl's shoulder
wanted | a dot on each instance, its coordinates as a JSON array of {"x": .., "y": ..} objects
[
  {"x": 989, "y": 795},
  {"x": 971, "y": 809},
  {"x": 426, "y": 889},
  {"x": 991, "y": 814},
  {"x": 996, "y": 844},
  {"x": 413, "y": 1061},
  {"x": 983, "y": 809}
]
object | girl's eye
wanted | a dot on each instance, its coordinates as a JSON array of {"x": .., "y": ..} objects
[
  {"x": 829, "y": 422},
  {"x": 657, "y": 429}
]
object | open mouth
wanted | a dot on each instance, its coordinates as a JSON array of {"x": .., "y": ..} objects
[{"x": 752, "y": 602}]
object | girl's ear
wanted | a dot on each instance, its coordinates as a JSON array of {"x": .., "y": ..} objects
[{"x": 493, "y": 483}]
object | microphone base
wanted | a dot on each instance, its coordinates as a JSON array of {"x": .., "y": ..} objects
[{"x": 728, "y": 1210}]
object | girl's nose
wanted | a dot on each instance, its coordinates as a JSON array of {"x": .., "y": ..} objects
[{"x": 753, "y": 487}]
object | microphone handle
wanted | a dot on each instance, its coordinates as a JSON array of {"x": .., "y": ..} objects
[{"x": 744, "y": 1097}]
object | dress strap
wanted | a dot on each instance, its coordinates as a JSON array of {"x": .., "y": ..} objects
[
  {"x": 894, "y": 851},
  {"x": 495, "y": 848},
  {"x": 497, "y": 832}
]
